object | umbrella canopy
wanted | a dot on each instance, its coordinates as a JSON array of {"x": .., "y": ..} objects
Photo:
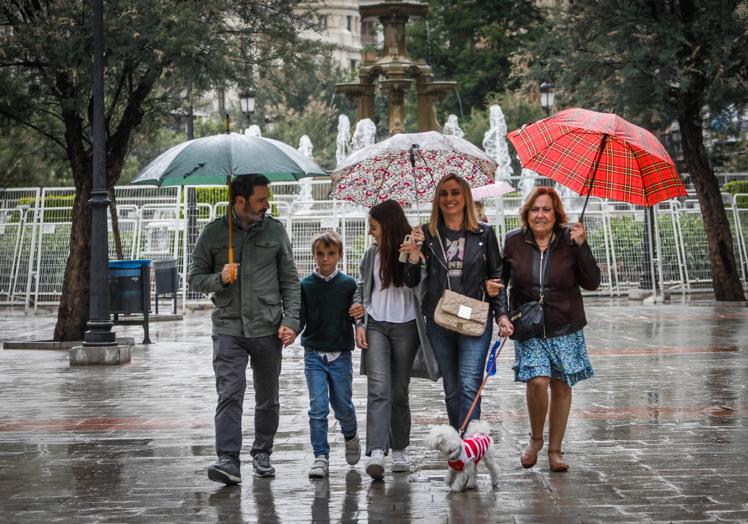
[
  {"x": 599, "y": 154},
  {"x": 495, "y": 190},
  {"x": 211, "y": 159},
  {"x": 392, "y": 169}
]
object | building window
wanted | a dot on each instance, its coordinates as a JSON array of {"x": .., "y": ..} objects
[
  {"x": 322, "y": 22},
  {"x": 349, "y": 23},
  {"x": 353, "y": 64}
]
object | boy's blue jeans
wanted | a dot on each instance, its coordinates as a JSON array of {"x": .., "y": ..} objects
[{"x": 329, "y": 384}]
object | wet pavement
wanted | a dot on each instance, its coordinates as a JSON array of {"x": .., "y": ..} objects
[{"x": 658, "y": 435}]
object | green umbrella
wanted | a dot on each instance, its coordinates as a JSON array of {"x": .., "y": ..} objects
[
  {"x": 212, "y": 159},
  {"x": 215, "y": 159}
]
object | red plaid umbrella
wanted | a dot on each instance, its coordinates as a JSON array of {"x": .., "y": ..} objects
[{"x": 599, "y": 154}]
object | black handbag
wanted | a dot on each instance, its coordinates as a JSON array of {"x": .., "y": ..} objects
[{"x": 528, "y": 319}]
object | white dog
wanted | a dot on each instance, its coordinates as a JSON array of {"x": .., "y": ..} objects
[{"x": 463, "y": 455}]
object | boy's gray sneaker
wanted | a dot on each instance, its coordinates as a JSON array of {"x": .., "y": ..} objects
[
  {"x": 353, "y": 450},
  {"x": 319, "y": 469},
  {"x": 226, "y": 470},
  {"x": 262, "y": 465},
  {"x": 375, "y": 466},
  {"x": 400, "y": 462}
]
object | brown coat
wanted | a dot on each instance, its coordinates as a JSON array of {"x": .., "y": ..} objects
[{"x": 567, "y": 267}]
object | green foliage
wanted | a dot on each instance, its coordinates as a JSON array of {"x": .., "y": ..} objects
[
  {"x": 318, "y": 122},
  {"x": 738, "y": 187},
  {"x": 471, "y": 43},
  {"x": 159, "y": 54},
  {"x": 650, "y": 62}
]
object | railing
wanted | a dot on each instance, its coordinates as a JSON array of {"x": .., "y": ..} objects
[{"x": 155, "y": 224}]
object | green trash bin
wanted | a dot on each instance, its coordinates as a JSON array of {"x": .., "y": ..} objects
[{"x": 130, "y": 290}]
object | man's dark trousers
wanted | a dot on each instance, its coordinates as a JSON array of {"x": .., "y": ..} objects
[{"x": 230, "y": 357}]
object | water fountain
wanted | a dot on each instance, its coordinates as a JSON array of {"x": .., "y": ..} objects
[
  {"x": 527, "y": 182},
  {"x": 342, "y": 142},
  {"x": 452, "y": 127},
  {"x": 253, "y": 130},
  {"x": 495, "y": 145},
  {"x": 395, "y": 72},
  {"x": 364, "y": 135},
  {"x": 305, "y": 199}
]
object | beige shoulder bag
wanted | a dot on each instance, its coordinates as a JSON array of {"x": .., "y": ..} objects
[{"x": 460, "y": 313}]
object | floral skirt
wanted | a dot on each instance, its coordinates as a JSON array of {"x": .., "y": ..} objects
[{"x": 563, "y": 358}]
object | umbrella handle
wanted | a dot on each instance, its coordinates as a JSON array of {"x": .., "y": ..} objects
[
  {"x": 232, "y": 267},
  {"x": 594, "y": 172}
]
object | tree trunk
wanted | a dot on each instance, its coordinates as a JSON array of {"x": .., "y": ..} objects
[
  {"x": 725, "y": 275},
  {"x": 72, "y": 314}
]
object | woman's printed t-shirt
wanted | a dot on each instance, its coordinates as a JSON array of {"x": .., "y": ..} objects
[{"x": 454, "y": 248}]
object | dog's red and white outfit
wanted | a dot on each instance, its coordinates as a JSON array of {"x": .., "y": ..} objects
[{"x": 473, "y": 449}]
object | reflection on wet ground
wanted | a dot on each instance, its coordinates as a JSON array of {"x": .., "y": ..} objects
[{"x": 658, "y": 435}]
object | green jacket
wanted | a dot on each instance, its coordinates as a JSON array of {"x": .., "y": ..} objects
[{"x": 266, "y": 293}]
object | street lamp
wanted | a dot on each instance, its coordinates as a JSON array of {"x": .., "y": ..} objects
[
  {"x": 247, "y": 103},
  {"x": 547, "y": 96}
]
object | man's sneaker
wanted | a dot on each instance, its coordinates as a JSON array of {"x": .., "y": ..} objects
[
  {"x": 319, "y": 469},
  {"x": 375, "y": 466},
  {"x": 225, "y": 470},
  {"x": 400, "y": 462},
  {"x": 353, "y": 450},
  {"x": 262, "y": 465}
]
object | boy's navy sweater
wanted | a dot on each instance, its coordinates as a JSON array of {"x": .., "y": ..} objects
[{"x": 325, "y": 322}]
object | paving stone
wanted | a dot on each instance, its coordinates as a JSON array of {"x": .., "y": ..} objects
[{"x": 658, "y": 435}]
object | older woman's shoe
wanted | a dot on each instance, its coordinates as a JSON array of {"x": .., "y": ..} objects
[
  {"x": 529, "y": 456},
  {"x": 556, "y": 462}
]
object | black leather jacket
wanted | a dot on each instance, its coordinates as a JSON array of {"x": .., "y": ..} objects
[
  {"x": 567, "y": 267},
  {"x": 482, "y": 261}
]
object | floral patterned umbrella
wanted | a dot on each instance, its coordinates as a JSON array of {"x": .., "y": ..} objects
[{"x": 394, "y": 169}]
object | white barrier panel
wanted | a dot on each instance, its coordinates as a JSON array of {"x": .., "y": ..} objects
[{"x": 154, "y": 223}]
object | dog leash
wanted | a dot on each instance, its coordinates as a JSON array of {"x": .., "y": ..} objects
[{"x": 493, "y": 355}]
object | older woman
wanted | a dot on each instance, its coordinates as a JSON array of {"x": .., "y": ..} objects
[
  {"x": 459, "y": 250},
  {"x": 546, "y": 262}
]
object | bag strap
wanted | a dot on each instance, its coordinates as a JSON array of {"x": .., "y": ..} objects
[{"x": 444, "y": 254}]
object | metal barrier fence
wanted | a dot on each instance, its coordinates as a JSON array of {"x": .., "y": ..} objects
[{"x": 155, "y": 224}]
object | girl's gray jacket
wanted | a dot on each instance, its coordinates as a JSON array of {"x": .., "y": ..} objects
[{"x": 425, "y": 365}]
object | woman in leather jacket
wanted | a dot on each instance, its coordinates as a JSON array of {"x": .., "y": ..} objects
[
  {"x": 546, "y": 262},
  {"x": 457, "y": 247}
]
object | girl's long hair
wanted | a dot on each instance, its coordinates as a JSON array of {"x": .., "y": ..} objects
[
  {"x": 395, "y": 226},
  {"x": 469, "y": 220}
]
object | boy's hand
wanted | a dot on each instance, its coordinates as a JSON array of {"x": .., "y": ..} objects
[
  {"x": 356, "y": 311},
  {"x": 361, "y": 338}
]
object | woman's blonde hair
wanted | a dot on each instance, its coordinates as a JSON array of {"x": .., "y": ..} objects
[
  {"x": 469, "y": 220},
  {"x": 558, "y": 206}
]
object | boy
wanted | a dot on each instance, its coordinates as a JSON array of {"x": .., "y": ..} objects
[{"x": 327, "y": 338}]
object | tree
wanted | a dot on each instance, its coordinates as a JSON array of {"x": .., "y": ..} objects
[
  {"x": 471, "y": 42},
  {"x": 155, "y": 50},
  {"x": 654, "y": 62}
]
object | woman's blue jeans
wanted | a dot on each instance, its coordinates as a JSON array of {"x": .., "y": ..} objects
[
  {"x": 461, "y": 361},
  {"x": 329, "y": 383}
]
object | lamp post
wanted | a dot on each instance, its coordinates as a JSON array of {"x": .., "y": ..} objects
[
  {"x": 247, "y": 103},
  {"x": 99, "y": 343},
  {"x": 547, "y": 96}
]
